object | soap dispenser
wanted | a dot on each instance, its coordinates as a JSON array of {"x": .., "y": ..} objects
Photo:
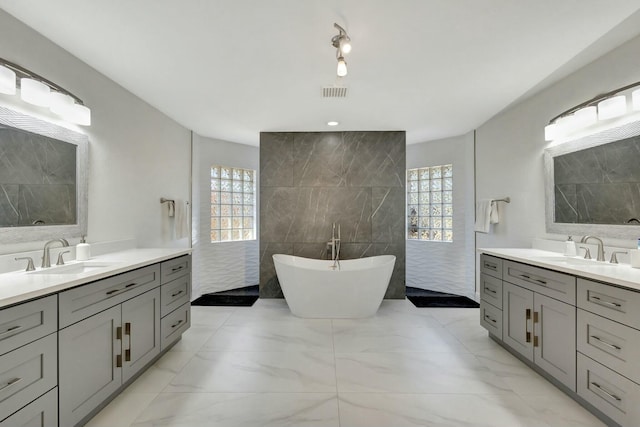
[
  {"x": 83, "y": 250},
  {"x": 570, "y": 247}
]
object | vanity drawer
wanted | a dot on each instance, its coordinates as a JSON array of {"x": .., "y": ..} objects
[
  {"x": 491, "y": 265},
  {"x": 614, "y": 395},
  {"x": 609, "y": 301},
  {"x": 24, "y": 323},
  {"x": 550, "y": 283},
  {"x": 174, "y": 268},
  {"x": 27, "y": 373},
  {"x": 610, "y": 343},
  {"x": 174, "y": 294},
  {"x": 491, "y": 290},
  {"x": 42, "y": 412},
  {"x": 84, "y": 301},
  {"x": 173, "y": 325},
  {"x": 491, "y": 319}
]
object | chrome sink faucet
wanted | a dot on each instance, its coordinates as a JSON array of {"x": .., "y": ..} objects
[
  {"x": 600, "y": 256},
  {"x": 46, "y": 257}
]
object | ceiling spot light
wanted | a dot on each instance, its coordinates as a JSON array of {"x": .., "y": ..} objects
[
  {"x": 342, "y": 67},
  {"x": 342, "y": 43},
  {"x": 39, "y": 91},
  {"x": 332, "y": 123}
]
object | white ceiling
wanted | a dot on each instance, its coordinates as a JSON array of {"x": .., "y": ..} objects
[{"x": 230, "y": 69}]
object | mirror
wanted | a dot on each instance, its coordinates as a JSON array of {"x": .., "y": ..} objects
[
  {"x": 593, "y": 184},
  {"x": 43, "y": 179}
]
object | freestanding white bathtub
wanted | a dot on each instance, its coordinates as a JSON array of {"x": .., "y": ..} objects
[{"x": 313, "y": 289}]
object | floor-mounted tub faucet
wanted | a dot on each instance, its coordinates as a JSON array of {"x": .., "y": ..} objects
[{"x": 335, "y": 247}]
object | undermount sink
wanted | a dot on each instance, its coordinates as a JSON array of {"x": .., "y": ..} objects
[
  {"x": 77, "y": 268},
  {"x": 574, "y": 261}
]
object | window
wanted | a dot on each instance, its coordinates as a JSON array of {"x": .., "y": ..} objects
[
  {"x": 430, "y": 203},
  {"x": 233, "y": 204}
]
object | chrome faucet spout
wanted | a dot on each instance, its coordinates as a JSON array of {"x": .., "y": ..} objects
[
  {"x": 46, "y": 256},
  {"x": 600, "y": 256}
]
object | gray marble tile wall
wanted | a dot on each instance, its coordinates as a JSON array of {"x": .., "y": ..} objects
[
  {"x": 309, "y": 180},
  {"x": 37, "y": 179},
  {"x": 599, "y": 185}
]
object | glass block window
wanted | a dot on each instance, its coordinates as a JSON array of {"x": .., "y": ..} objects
[
  {"x": 233, "y": 204},
  {"x": 430, "y": 203}
]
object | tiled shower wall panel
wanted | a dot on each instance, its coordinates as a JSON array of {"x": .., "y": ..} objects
[{"x": 309, "y": 180}]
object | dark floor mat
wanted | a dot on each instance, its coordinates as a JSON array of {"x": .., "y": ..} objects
[
  {"x": 226, "y": 300},
  {"x": 427, "y": 298}
]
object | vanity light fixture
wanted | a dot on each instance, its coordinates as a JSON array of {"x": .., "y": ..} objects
[
  {"x": 39, "y": 91},
  {"x": 7, "y": 80},
  {"x": 342, "y": 43},
  {"x": 635, "y": 95},
  {"x": 600, "y": 108}
]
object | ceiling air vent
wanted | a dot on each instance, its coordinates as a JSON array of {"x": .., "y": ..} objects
[{"x": 334, "y": 92}]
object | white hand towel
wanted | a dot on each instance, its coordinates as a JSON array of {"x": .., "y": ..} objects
[
  {"x": 495, "y": 215},
  {"x": 182, "y": 219},
  {"x": 483, "y": 215}
]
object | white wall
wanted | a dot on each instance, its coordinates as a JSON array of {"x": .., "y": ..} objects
[
  {"x": 136, "y": 153},
  {"x": 227, "y": 265},
  {"x": 446, "y": 267},
  {"x": 509, "y": 147}
]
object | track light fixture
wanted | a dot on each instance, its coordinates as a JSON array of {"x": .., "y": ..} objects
[
  {"x": 600, "y": 108},
  {"x": 39, "y": 91},
  {"x": 342, "y": 43}
]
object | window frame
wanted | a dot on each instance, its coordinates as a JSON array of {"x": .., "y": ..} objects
[
  {"x": 233, "y": 201},
  {"x": 429, "y": 204}
]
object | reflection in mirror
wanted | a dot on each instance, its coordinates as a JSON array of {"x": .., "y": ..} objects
[
  {"x": 43, "y": 179},
  {"x": 37, "y": 179},
  {"x": 593, "y": 184}
]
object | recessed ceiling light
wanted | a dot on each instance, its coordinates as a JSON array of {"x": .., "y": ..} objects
[{"x": 332, "y": 123}]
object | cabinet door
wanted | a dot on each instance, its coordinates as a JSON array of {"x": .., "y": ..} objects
[
  {"x": 89, "y": 369},
  {"x": 42, "y": 412},
  {"x": 141, "y": 332},
  {"x": 554, "y": 346},
  {"x": 517, "y": 325}
]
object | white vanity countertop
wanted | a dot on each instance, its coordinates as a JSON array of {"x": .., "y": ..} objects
[
  {"x": 20, "y": 286},
  {"x": 617, "y": 274}
]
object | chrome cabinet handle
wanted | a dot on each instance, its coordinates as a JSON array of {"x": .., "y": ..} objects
[
  {"x": 127, "y": 352},
  {"x": 10, "y": 383},
  {"x": 177, "y": 293},
  {"x": 490, "y": 266},
  {"x": 603, "y": 302},
  {"x": 11, "y": 329},
  {"x": 177, "y": 268},
  {"x": 113, "y": 291},
  {"x": 605, "y": 391},
  {"x": 490, "y": 290},
  {"x": 486, "y": 316},
  {"x": 175, "y": 325},
  {"x": 613, "y": 346}
]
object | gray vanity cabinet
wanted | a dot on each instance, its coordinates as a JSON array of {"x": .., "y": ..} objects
[
  {"x": 100, "y": 353},
  {"x": 537, "y": 326},
  {"x": 140, "y": 332},
  {"x": 89, "y": 368}
]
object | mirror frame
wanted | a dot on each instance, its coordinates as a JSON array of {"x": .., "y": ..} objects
[
  {"x": 32, "y": 124},
  {"x": 617, "y": 231}
]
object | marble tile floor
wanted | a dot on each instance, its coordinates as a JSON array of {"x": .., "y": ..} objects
[{"x": 261, "y": 366}]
